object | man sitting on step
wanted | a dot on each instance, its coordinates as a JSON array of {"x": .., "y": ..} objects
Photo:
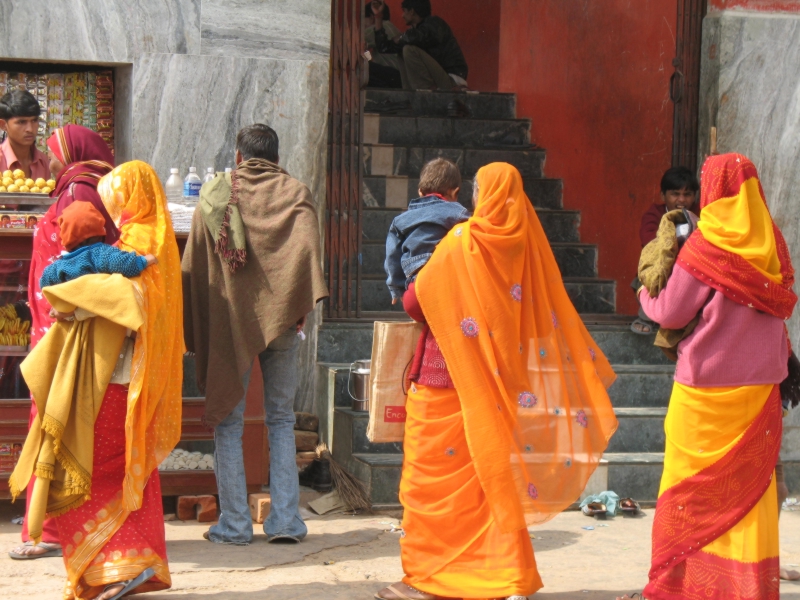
[{"x": 432, "y": 58}]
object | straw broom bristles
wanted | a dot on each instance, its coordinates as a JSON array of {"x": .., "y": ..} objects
[{"x": 351, "y": 490}]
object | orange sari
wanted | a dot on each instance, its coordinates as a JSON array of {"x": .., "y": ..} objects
[
  {"x": 119, "y": 532},
  {"x": 516, "y": 441}
]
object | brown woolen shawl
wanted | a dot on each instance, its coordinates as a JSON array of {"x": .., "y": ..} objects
[{"x": 230, "y": 317}]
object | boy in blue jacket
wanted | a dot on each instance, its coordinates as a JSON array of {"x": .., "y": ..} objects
[{"x": 414, "y": 234}]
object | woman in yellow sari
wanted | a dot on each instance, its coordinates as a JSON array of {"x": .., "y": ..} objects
[
  {"x": 715, "y": 533},
  {"x": 112, "y": 533},
  {"x": 508, "y": 414}
]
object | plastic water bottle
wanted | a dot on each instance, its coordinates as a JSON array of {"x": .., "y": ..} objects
[
  {"x": 174, "y": 187},
  {"x": 209, "y": 175},
  {"x": 191, "y": 186}
]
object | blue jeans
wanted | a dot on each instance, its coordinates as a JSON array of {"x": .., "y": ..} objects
[{"x": 279, "y": 369}]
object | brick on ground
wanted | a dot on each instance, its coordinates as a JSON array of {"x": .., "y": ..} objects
[
  {"x": 306, "y": 422},
  {"x": 305, "y": 441},
  {"x": 260, "y": 505},
  {"x": 200, "y": 508}
]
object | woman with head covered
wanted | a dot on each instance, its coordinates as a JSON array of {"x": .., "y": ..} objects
[{"x": 508, "y": 413}]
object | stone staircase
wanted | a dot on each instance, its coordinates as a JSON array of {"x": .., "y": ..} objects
[{"x": 402, "y": 131}]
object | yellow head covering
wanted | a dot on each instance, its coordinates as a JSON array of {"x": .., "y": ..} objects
[
  {"x": 135, "y": 200},
  {"x": 531, "y": 380}
]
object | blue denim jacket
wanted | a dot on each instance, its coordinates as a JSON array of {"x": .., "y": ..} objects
[{"x": 414, "y": 235}]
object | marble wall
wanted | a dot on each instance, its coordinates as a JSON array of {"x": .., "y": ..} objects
[
  {"x": 750, "y": 91},
  {"x": 190, "y": 73}
]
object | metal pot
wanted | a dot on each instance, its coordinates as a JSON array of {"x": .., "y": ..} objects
[{"x": 359, "y": 372}]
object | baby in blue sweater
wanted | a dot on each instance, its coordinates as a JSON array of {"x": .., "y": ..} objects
[{"x": 83, "y": 230}]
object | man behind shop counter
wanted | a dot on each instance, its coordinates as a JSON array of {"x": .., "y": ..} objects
[
  {"x": 19, "y": 118},
  {"x": 252, "y": 271},
  {"x": 432, "y": 58}
]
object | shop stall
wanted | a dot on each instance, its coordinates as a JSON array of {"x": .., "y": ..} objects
[{"x": 85, "y": 96}]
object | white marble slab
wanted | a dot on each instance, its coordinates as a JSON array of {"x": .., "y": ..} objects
[
  {"x": 751, "y": 92},
  {"x": 267, "y": 28},
  {"x": 97, "y": 30}
]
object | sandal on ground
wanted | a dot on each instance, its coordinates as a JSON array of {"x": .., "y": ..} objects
[
  {"x": 401, "y": 591},
  {"x": 131, "y": 584},
  {"x": 636, "y": 596},
  {"x": 595, "y": 509},
  {"x": 52, "y": 550},
  {"x": 642, "y": 327},
  {"x": 629, "y": 507}
]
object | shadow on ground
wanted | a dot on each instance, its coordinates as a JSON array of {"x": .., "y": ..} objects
[{"x": 554, "y": 539}]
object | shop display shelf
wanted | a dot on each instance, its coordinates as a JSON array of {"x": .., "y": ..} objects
[{"x": 26, "y": 199}]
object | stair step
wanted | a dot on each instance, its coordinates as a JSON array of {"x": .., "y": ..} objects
[
  {"x": 574, "y": 260},
  {"x": 443, "y": 131},
  {"x": 642, "y": 386},
  {"x": 589, "y": 295},
  {"x": 623, "y": 347},
  {"x": 631, "y": 475},
  {"x": 346, "y": 342},
  {"x": 396, "y": 158},
  {"x": 397, "y": 191},
  {"x": 640, "y": 430},
  {"x": 559, "y": 225},
  {"x": 635, "y": 474},
  {"x": 434, "y": 104}
]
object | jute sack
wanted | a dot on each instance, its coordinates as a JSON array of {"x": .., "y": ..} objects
[{"x": 393, "y": 346}]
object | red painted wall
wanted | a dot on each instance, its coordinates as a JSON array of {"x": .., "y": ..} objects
[
  {"x": 593, "y": 76},
  {"x": 758, "y": 5},
  {"x": 476, "y": 25}
]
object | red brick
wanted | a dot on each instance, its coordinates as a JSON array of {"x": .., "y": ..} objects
[
  {"x": 201, "y": 508},
  {"x": 305, "y": 441}
]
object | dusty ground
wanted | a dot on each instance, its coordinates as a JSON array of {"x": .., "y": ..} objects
[{"x": 352, "y": 557}]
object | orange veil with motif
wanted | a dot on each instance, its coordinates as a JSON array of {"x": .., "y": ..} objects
[
  {"x": 531, "y": 380},
  {"x": 136, "y": 202}
]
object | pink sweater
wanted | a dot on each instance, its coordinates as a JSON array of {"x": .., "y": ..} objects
[{"x": 732, "y": 344}]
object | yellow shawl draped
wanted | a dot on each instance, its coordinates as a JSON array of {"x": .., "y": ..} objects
[
  {"x": 67, "y": 373},
  {"x": 531, "y": 380},
  {"x": 135, "y": 200}
]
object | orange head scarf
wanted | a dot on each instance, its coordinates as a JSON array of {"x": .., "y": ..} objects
[
  {"x": 79, "y": 222},
  {"x": 134, "y": 198},
  {"x": 531, "y": 380},
  {"x": 737, "y": 249}
]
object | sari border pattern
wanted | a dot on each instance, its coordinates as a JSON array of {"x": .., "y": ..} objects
[{"x": 701, "y": 508}]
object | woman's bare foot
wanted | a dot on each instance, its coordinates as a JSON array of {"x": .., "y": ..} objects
[
  {"x": 787, "y": 575},
  {"x": 110, "y": 591}
]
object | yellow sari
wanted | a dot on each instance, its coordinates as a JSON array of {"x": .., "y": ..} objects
[
  {"x": 715, "y": 533},
  {"x": 119, "y": 532},
  {"x": 516, "y": 441}
]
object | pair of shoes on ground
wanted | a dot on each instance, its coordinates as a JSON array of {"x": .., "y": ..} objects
[{"x": 281, "y": 538}]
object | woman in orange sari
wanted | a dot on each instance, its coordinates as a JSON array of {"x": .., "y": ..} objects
[
  {"x": 715, "y": 533},
  {"x": 113, "y": 538},
  {"x": 508, "y": 414}
]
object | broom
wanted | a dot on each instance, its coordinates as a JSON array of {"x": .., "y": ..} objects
[{"x": 351, "y": 490}]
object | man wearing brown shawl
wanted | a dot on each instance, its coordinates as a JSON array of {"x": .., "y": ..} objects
[{"x": 252, "y": 271}]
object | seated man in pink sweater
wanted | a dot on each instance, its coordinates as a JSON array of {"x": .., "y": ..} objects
[{"x": 679, "y": 189}]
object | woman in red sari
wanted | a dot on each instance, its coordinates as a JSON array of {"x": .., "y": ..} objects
[{"x": 79, "y": 157}]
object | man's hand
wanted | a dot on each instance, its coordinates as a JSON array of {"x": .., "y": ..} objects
[
  {"x": 60, "y": 316},
  {"x": 301, "y": 324},
  {"x": 394, "y": 301}
]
